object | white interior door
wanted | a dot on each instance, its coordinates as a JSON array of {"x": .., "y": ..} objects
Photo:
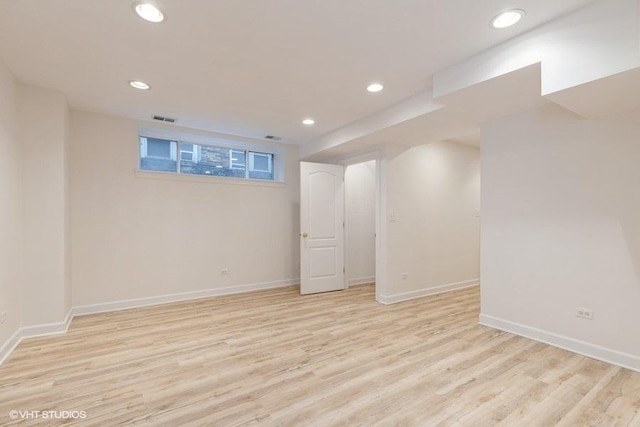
[{"x": 321, "y": 228}]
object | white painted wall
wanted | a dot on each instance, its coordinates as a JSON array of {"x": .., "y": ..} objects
[
  {"x": 432, "y": 194},
  {"x": 136, "y": 236},
  {"x": 10, "y": 210},
  {"x": 561, "y": 230},
  {"x": 360, "y": 206},
  {"x": 42, "y": 130}
]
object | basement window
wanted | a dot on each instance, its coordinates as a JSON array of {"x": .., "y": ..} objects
[
  {"x": 188, "y": 152},
  {"x": 158, "y": 155},
  {"x": 260, "y": 165},
  {"x": 237, "y": 159},
  {"x": 190, "y": 158}
]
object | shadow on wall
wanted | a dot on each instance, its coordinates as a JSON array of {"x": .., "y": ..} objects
[
  {"x": 295, "y": 224},
  {"x": 631, "y": 235}
]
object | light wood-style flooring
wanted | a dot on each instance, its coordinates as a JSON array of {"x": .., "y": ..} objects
[{"x": 275, "y": 358}]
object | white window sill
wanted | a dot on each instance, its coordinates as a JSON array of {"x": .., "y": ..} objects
[{"x": 206, "y": 179}]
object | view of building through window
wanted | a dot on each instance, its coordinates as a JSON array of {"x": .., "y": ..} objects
[{"x": 197, "y": 159}]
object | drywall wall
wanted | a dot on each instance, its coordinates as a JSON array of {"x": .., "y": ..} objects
[
  {"x": 360, "y": 207},
  {"x": 561, "y": 230},
  {"x": 42, "y": 131},
  {"x": 10, "y": 211},
  {"x": 143, "y": 235},
  {"x": 432, "y": 197}
]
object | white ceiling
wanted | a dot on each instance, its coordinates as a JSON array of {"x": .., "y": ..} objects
[{"x": 249, "y": 67}]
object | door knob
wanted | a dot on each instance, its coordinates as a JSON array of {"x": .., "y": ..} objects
[{"x": 305, "y": 235}]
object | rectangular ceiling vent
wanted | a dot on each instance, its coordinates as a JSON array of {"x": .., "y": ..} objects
[
  {"x": 164, "y": 119},
  {"x": 273, "y": 138}
]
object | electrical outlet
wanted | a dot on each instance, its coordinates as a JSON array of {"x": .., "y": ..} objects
[
  {"x": 224, "y": 271},
  {"x": 584, "y": 313},
  {"x": 405, "y": 276},
  {"x": 3, "y": 317}
]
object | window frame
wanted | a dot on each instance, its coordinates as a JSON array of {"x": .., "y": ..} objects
[
  {"x": 173, "y": 149},
  {"x": 251, "y": 166},
  {"x": 231, "y": 165},
  {"x": 275, "y": 150},
  {"x": 193, "y": 152}
]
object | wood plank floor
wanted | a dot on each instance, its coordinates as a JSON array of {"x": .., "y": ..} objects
[{"x": 275, "y": 358}]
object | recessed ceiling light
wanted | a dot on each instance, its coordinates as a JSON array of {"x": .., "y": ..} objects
[
  {"x": 149, "y": 12},
  {"x": 308, "y": 122},
  {"x": 139, "y": 85},
  {"x": 507, "y": 18},
  {"x": 375, "y": 87}
]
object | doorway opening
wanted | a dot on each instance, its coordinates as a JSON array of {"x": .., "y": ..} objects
[
  {"x": 360, "y": 184},
  {"x": 337, "y": 251}
]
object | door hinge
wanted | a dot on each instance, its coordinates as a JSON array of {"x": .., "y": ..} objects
[{"x": 344, "y": 270}]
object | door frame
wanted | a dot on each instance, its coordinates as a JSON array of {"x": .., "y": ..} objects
[{"x": 380, "y": 229}]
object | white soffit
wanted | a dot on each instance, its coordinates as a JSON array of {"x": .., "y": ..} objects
[{"x": 462, "y": 114}]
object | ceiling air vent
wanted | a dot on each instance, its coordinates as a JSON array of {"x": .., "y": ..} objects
[
  {"x": 273, "y": 138},
  {"x": 164, "y": 119}
]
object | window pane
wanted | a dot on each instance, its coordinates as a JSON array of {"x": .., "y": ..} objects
[
  {"x": 215, "y": 161},
  {"x": 261, "y": 166},
  {"x": 186, "y": 152},
  {"x": 261, "y": 163},
  {"x": 158, "y": 148},
  {"x": 158, "y": 155},
  {"x": 238, "y": 159}
]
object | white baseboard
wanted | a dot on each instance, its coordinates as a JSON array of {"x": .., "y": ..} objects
[
  {"x": 593, "y": 351},
  {"x": 406, "y": 296},
  {"x": 185, "y": 296},
  {"x": 47, "y": 328},
  {"x": 362, "y": 281},
  {"x": 32, "y": 332},
  {"x": 10, "y": 345}
]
